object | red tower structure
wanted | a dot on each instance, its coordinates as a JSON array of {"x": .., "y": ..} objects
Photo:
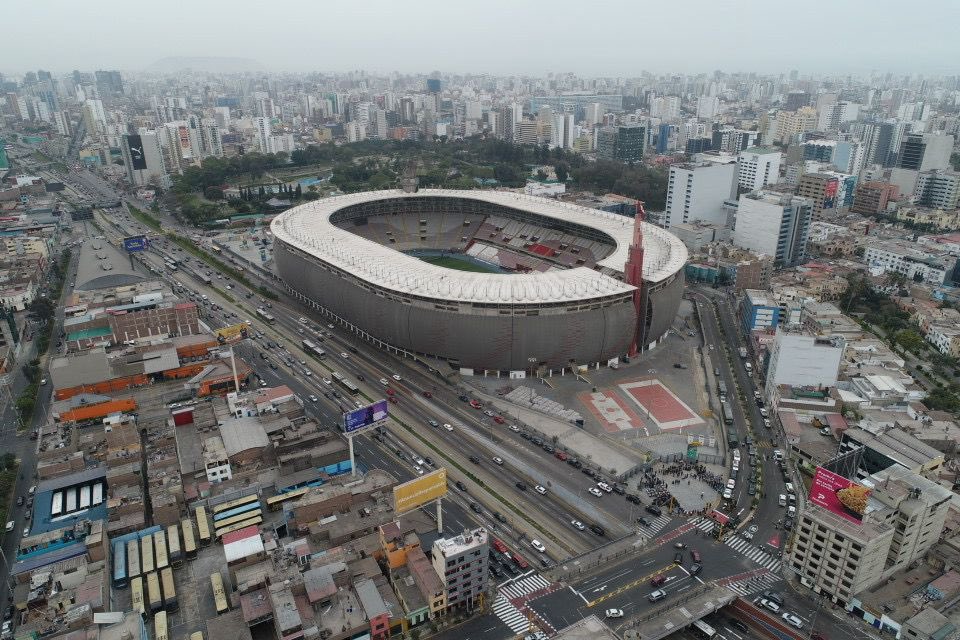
[{"x": 633, "y": 273}]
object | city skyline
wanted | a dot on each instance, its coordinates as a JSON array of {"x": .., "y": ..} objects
[{"x": 498, "y": 40}]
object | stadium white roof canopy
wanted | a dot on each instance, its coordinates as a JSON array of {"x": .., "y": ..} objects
[{"x": 308, "y": 228}]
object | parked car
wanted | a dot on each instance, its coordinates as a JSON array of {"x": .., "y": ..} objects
[{"x": 614, "y": 613}]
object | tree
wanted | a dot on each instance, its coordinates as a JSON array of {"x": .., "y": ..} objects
[
  {"x": 299, "y": 192},
  {"x": 562, "y": 170},
  {"x": 910, "y": 340},
  {"x": 541, "y": 175},
  {"x": 213, "y": 193}
]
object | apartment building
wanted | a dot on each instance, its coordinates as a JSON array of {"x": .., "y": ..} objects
[{"x": 462, "y": 564}]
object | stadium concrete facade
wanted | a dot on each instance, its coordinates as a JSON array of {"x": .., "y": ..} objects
[{"x": 557, "y": 298}]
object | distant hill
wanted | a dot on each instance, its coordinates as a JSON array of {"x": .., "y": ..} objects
[{"x": 211, "y": 64}]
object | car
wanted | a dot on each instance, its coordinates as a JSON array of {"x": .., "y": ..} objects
[
  {"x": 26, "y": 531},
  {"x": 419, "y": 470},
  {"x": 302, "y": 320},
  {"x": 536, "y": 544},
  {"x": 488, "y": 413},
  {"x": 427, "y": 394},
  {"x": 448, "y": 426},
  {"x": 773, "y": 596},
  {"x": 576, "y": 524},
  {"x": 43, "y": 381},
  {"x": 695, "y": 568},
  {"x": 20, "y": 501},
  {"x": 520, "y": 485},
  {"x": 739, "y": 626},
  {"x": 603, "y": 485},
  {"x": 597, "y": 529},
  {"x": 428, "y": 460},
  {"x": 476, "y": 508},
  {"x": 542, "y": 490},
  {"x": 727, "y": 494},
  {"x": 656, "y": 596},
  {"x": 792, "y": 619},
  {"x": 433, "y": 423},
  {"x": 770, "y": 605},
  {"x": 394, "y": 400},
  {"x": 475, "y": 404},
  {"x": 752, "y": 490},
  {"x": 614, "y": 613},
  {"x": 695, "y": 555},
  {"x": 644, "y": 522},
  {"x": 10, "y": 526},
  {"x": 391, "y": 392},
  {"x": 514, "y": 428},
  {"x": 499, "y": 516},
  {"x": 788, "y": 524},
  {"x": 344, "y": 355},
  {"x": 791, "y": 511},
  {"x": 384, "y": 382},
  {"x": 595, "y": 492},
  {"x": 658, "y": 580},
  {"x": 396, "y": 377},
  {"x": 633, "y": 498},
  {"x": 619, "y": 490},
  {"x": 330, "y": 326},
  {"x": 654, "y": 510},
  {"x": 498, "y": 460},
  {"x": 459, "y": 485},
  {"x": 475, "y": 459},
  {"x": 461, "y": 397},
  {"x": 303, "y": 362},
  {"x": 498, "y": 419},
  {"x": 678, "y": 558},
  {"x": 417, "y": 460},
  {"x": 313, "y": 398}
]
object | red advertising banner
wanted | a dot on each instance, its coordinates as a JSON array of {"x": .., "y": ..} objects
[{"x": 839, "y": 495}]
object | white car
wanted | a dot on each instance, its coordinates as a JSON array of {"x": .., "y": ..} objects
[
  {"x": 448, "y": 426},
  {"x": 26, "y": 531},
  {"x": 329, "y": 326},
  {"x": 418, "y": 460},
  {"x": 313, "y": 398},
  {"x": 498, "y": 460},
  {"x": 10, "y": 526},
  {"x": 595, "y": 492},
  {"x": 302, "y": 320},
  {"x": 792, "y": 619},
  {"x": 345, "y": 355},
  {"x": 327, "y": 381},
  {"x": 727, "y": 494},
  {"x": 770, "y": 604},
  {"x": 396, "y": 377},
  {"x": 542, "y": 490},
  {"x": 603, "y": 485},
  {"x": 514, "y": 428},
  {"x": 419, "y": 470},
  {"x": 614, "y": 613},
  {"x": 384, "y": 382},
  {"x": 536, "y": 544},
  {"x": 576, "y": 524}
]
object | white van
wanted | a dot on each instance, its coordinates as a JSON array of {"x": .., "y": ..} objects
[
  {"x": 731, "y": 483},
  {"x": 789, "y": 487},
  {"x": 782, "y": 501}
]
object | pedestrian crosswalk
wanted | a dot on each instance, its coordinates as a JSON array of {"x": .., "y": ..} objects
[
  {"x": 756, "y": 583},
  {"x": 704, "y": 524},
  {"x": 510, "y": 615},
  {"x": 754, "y": 553},
  {"x": 656, "y": 524},
  {"x": 524, "y": 586}
]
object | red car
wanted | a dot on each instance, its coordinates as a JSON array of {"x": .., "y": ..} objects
[
  {"x": 658, "y": 580},
  {"x": 427, "y": 394},
  {"x": 560, "y": 455},
  {"x": 519, "y": 561},
  {"x": 394, "y": 400},
  {"x": 475, "y": 404},
  {"x": 498, "y": 420},
  {"x": 390, "y": 392},
  {"x": 499, "y": 546}
]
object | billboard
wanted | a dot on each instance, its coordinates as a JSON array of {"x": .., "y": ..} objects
[
  {"x": 419, "y": 491},
  {"x": 839, "y": 495},
  {"x": 364, "y": 417},
  {"x": 137, "y": 158},
  {"x": 135, "y": 243},
  {"x": 232, "y": 333}
]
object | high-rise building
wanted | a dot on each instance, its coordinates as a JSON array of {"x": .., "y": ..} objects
[
  {"x": 834, "y": 115},
  {"x": 938, "y": 189},
  {"x": 822, "y": 189},
  {"x": 839, "y": 555},
  {"x": 774, "y": 224},
  {"x": 4, "y": 161},
  {"x": 462, "y": 564},
  {"x": 788, "y": 125},
  {"x": 845, "y": 155},
  {"x": 758, "y": 167},
  {"x": 708, "y": 107},
  {"x": 698, "y": 191},
  {"x": 731, "y": 140},
  {"x": 665, "y": 107},
  {"x": 263, "y": 129},
  {"x": 925, "y": 152},
  {"x": 631, "y": 142},
  {"x": 593, "y": 112},
  {"x": 802, "y": 360},
  {"x": 143, "y": 158},
  {"x": 872, "y": 197},
  {"x": 795, "y": 100}
]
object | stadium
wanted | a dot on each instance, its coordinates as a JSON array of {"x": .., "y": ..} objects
[{"x": 490, "y": 281}]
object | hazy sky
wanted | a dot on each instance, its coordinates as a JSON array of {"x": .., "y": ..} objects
[{"x": 589, "y": 37}]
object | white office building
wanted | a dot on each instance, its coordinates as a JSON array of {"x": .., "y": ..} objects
[
  {"x": 708, "y": 107},
  {"x": 803, "y": 360},
  {"x": 774, "y": 224},
  {"x": 886, "y": 256},
  {"x": 665, "y": 107},
  {"x": 262, "y": 132},
  {"x": 698, "y": 191},
  {"x": 758, "y": 167}
]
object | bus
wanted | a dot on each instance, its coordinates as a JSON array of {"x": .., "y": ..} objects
[
  {"x": 313, "y": 349},
  {"x": 275, "y": 503},
  {"x": 136, "y": 594},
  {"x": 346, "y": 384},
  {"x": 703, "y": 630},
  {"x": 219, "y": 595},
  {"x": 267, "y": 317},
  {"x": 236, "y": 511},
  {"x": 154, "y": 596},
  {"x": 227, "y": 506},
  {"x": 203, "y": 527},
  {"x": 133, "y": 559},
  {"x": 722, "y": 387},
  {"x": 146, "y": 554},
  {"x": 189, "y": 541},
  {"x": 173, "y": 546},
  {"x": 160, "y": 546},
  {"x": 240, "y": 525},
  {"x": 229, "y": 522},
  {"x": 732, "y": 439},
  {"x": 196, "y": 635},
  {"x": 160, "y": 626},
  {"x": 169, "y": 590},
  {"x": 170, "y": 264},
  {"x": 119, "y": 564},
  {"x": 727, "y": 414}
]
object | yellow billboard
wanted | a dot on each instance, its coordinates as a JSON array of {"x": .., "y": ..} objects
[
  {"x": 419, "y": 491},
  {"x": 232, "y": 333}
]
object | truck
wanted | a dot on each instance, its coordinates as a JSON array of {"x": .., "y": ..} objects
[
  {"x": 206, "y": 279},
  {"x": 743, "y": 352}
]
